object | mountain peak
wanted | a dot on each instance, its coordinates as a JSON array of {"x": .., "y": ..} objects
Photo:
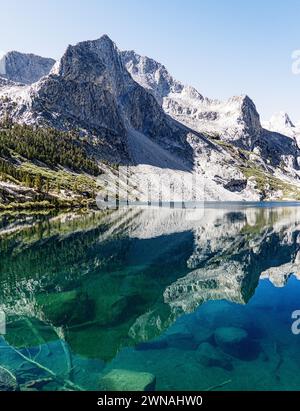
[
  {"x": 103, "y": 42},
  {"x": 90, "y": 88},
  {"x": 281, "y": 119},
  {"x": 87, "y": 61},
  {"x": 24, "y": 68},
  {"x": 151, "y": 75},
  {"x": 242, "y": 99},
  {"x": 105, "y": 37},
  {"x": 282, "y": 123}
]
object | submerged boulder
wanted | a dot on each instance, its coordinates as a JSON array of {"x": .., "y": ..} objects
[
  {"x": 126, "y": 380},
  {"x": 230, "y": 336},
  {"x": 210, "y": 356},
  {"x": 236, "y": 342}
]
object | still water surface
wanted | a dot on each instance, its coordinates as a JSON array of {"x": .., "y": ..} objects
[{"x": 197, "y": 302}]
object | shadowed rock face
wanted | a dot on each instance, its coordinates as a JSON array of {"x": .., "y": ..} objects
[{"x": 24, "y": 68}]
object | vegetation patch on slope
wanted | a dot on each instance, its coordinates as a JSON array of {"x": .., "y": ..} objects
[
  {"x": 49, "y": 146},
  {"x": 42, "y": 168},
  {"x": 268, "y": 182},
  {"x": 265, "y": 182}
]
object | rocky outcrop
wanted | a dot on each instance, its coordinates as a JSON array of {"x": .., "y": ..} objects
[
  {"x": 235, "y": 342},
  {"x": 203, "y": 284},
  {"x": 280, "y": 275},
  {"x": 24, "y": 68},
  {"x": 279, "y": 122},
  {"x": 126, "y": 380}
]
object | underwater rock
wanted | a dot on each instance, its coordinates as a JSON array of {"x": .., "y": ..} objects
[
  {"x": 8, "y": 381},
  {"x": 210, "y": 356},
  {"x": 126, "y": 380},
  {"x": 236, "y": 342},
  {"x": 228, "y": 336},
  {"x": 230, "y": 339}
]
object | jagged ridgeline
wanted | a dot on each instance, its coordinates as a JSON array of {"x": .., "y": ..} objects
[{"x": 131, "y": 111}]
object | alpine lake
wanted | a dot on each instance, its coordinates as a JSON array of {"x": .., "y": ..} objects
[{"x": 151, "y": 299}]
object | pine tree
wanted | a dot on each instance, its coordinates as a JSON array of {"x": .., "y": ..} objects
[
  {"x": 38, "y": 182},
  {"x": 28, "y": 182},
  {"x": 47, "y": 185}
]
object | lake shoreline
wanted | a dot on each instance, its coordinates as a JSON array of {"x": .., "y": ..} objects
[{"x": 46, "y": 205}]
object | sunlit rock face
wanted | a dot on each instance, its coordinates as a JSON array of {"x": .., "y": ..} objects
[{"x": 24, "y": 68}]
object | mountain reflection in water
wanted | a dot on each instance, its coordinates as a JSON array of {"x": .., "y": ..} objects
[{"x": 151, "y": 290}]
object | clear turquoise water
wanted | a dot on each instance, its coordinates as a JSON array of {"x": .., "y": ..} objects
[{"x": 151, "y": 290}]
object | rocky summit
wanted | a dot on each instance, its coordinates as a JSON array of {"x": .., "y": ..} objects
[
  {"x": 24, "y": 68},
  {"x": 130, "y": 110}
]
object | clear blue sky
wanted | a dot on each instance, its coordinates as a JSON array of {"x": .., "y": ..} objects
[{"x": 222, "y": 47}]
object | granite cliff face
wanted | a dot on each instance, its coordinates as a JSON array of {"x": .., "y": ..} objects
[{"x": 24, "y": 68}]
